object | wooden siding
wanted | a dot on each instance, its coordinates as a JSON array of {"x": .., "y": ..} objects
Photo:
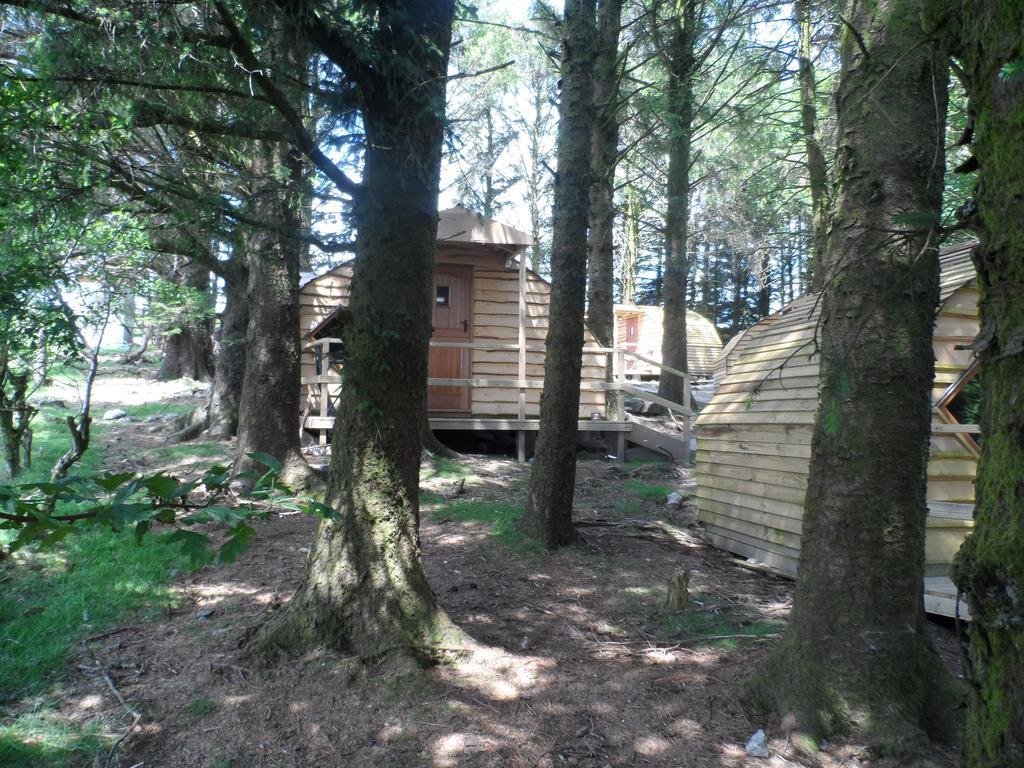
[
  {"x": 753, "y": 439},
  {"x": 703, "y": 344},
  {"x": 495, "y": 320}
]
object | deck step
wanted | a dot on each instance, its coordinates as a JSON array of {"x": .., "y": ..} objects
[
  {"x": 659, "y": 442},
  {"x": 940, "y": 598}
]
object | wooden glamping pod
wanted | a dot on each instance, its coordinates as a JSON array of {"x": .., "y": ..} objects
[
  {"x": 487, "y": 351},
  {"x": 638, "y": 329},
  {"x": 753, "y": 455}
]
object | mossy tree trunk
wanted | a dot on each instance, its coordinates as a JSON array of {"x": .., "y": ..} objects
[
  {"x": 548, "y": 514},
  {"x": 364, "y": 591},
  {"x": 682, "y": 64},
  {"x": 989, "y": 568},
  {"x": 855, "y": 654},
  {"x": 604, "y": 156}
]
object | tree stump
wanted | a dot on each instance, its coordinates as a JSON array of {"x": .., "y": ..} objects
[{"x": 678, "y": 591}]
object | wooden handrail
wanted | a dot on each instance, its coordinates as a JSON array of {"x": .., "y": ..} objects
[
  {"x": 618, "y": 385},
  {"x": 655, "y": 363}
]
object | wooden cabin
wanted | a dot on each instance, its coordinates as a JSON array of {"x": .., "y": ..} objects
[
  {"x": 753, "y": 454},
  {"x": 639, "y": 329},
  {"x": 487, "y": 352}
]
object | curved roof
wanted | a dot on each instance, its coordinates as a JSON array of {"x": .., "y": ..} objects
[
  {"x": 956, "y": 269},
  {"x": 754, "y": 437},
  {"x": 703, "y": 344}
]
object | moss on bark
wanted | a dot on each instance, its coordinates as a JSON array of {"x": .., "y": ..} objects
[
  {"x": 364, "y": 591},
  {"x": 989, "y": 568},
  {"x": 855, "y": 656}
]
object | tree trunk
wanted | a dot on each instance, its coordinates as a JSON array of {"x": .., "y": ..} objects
[
  {"x": 817, "y": 168},
  {"x": 268, "y": 411},
  {"x": 989, "y": 568},
  {"x": 630, "y": 247},
  {"x": 365, "y": 591},
  {"x": 188, "y": 353},
  {"x": 604, "y": 149},
  {"x": 548, "y": 514},
  {"x": 680, "y": 121},
  {"x": 226, "y": 392},
  {"x": 855, "y": 654}
]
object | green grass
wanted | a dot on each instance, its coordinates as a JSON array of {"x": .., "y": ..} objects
[
  {"x": 440, "y": 468},
  {"x": 429, "y": 499},
  {"x": 503, "y": 519},
  {"x": 200, "y": 707},
  {"x": 38, "y": 741},
  {"x": 195, "y": 450},
  {"x": 646, "y": 491},
  {"x": 696, "y": 624},
  {"x": 50, "y": 601},
  {"x": 151, "y": 409},
  {"x": 50, "y": 439},
  {"x": 644, "y": 462}
]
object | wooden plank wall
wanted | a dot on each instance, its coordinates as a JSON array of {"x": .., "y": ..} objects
[
  {"x": 753, "y": 452},
  {"x": 703, "y": 344},
  {"x": 495, "y": 319}
]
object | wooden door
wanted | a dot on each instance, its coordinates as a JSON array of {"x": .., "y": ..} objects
[
  {"x": 453, "y": 321},
  {"x": 632, "y": 337}
]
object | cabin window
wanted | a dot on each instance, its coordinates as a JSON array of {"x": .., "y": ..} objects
[
  {"x": 337, "y": 354},
  {"x": 444, "y": 295},
  {"x": 961, "y": 405}
]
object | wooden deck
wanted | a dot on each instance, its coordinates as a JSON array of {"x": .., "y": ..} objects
[{"x": 323, "y": 391}]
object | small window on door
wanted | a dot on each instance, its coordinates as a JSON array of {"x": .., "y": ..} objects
[{"x": 444, "y": 295}]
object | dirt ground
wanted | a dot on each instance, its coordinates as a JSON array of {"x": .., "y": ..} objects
[{"x": 579, "y": 663}]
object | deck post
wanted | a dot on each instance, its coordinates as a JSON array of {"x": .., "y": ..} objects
[
  {"x": 324, "y": 387},
  {"x": 521, "y": 446},
  {"x": 522, "y": 344},
  {"x": 620, "y": 379},
  {"x": 686, "y": 418}
]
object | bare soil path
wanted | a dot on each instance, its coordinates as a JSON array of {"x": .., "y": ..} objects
[{"x": 580, "y": 663}]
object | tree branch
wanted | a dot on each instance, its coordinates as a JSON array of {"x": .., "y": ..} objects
[{"x": 247, "y": 60}]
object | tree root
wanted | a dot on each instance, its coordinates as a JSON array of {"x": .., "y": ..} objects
[{"x": 190, "y": 425}]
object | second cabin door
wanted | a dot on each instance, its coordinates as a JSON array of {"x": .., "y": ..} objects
[
  {"x": 632, "y": 337},
  {"x": 453, "y": 321}
]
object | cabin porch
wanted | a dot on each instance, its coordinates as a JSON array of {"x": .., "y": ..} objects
[{"x": 518, "y": 413}]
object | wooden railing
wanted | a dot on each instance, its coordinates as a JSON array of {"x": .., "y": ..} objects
[{"x": 619, "y": 383}]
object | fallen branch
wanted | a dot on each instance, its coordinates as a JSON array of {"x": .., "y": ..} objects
[{"x": 108, "y": 633}]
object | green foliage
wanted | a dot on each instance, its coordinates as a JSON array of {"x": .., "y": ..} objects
[
  {"x": 502, "y": 518},
  {"x": 1012, "y": 70},
  {"x": 41, "y": 514},
  {"x": 917, "y": 220}
]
